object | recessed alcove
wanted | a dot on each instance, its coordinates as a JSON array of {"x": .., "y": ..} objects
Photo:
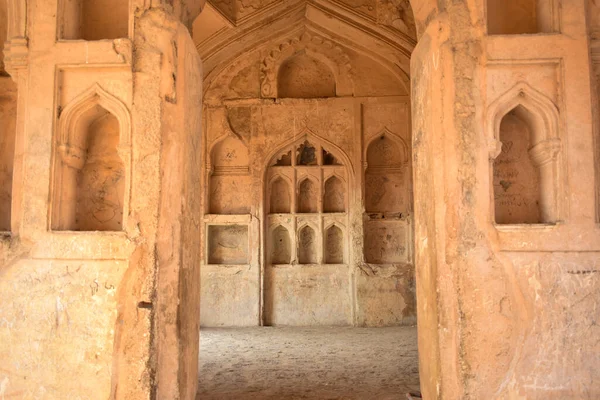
[
  {"x": 513, "y": 17},
  {"x": 307, "y": 246},
  {"x": 230, "y": 180},
  {"x": 93, "y": 19},
  {"x": 387, "y": 186},
  {"x": 302, "y": 76},
  {"x": 280, "y": 199},
  {"x": 92, "y": 181},
  {"x": 90, "y": 178},
  {"x": 281, "y": 249},
  {"x": 334, "y": 199},
  {"x": 307, "y": 196},
  {"x": 334, "y": 245},
  {"x": 228, "y": 244},
  {"x": 516, "y": 176}
]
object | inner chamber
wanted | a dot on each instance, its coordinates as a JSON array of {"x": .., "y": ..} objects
[{"x": 308, "y": 199}]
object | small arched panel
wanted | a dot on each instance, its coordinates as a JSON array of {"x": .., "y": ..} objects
[
  {"x": 90, "y": 178},
  {"x": 307, "y": 246},
  {"x": 334, "y": 197},
  {"x": 308, "y": 196},
  {"x": 279, "y": 198},
  {"x": 281, "y": 249},
  {"x": 334, "y": 245},
  {"x": 516, "y": 176},
  {"x": 230, "y": 180}
]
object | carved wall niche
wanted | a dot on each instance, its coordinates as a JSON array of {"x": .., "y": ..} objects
[
  {"x": 334, "y": 245},
  {"x": 280, "y": 196},
  {"x": 281, "y": 248},
  {"x": 304, "y": 67},
  {"x": 91, "y": 162},
  {"x": 230, "y": 180},
  {"x": 510, "y": 17},
  {"x": 516, "y": 176},
  {"x": 386, "y": 242},
  {"x": 525, "y": 150},
  {"x": 387, "y": 184},
  {"x": 8, "y": 116},
  {"x": 334, "y": 195},
  {"x": 228, "y": 244},
  {"x": 308, "y": 249},
  {"x": 319, "y": 176},
  {"x": 302, "y": 76},
  {"x": 93, "y": 19},
  {"x": 308, "y": 196}
]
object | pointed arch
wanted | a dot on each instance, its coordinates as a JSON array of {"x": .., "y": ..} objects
[
  {"x": 280, "y": 195},
  {"x": 308, "y": 195},
  {"x": 543, "y": 116},
  {"x": 74, "y": 114},
  {"x": 334, "y": 195},
  {"x": 400, "y": 144},
  {"x": 307, "y": 245},
  {"x": 311, "y": 137},
  {"x": 539, "y": 117},
  {"x": 92, "y": 164}
]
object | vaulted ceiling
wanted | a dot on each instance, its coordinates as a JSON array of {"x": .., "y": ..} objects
[{"x": 380, "y": 29}]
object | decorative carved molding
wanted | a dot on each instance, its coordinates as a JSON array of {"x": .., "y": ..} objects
[
  {"x": 313, "y": 45},
  {"x": 540, "y": 106},
  {"x": 545, "y": 152},
  {"x": 16, "y": 55}
]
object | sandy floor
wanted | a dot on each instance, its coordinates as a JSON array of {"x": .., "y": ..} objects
[{"x": 308, "y": 363}]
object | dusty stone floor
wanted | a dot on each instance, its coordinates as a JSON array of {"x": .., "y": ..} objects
[{"x": 308, "y": 363}]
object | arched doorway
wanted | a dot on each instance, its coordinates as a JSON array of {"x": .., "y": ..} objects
[{"x": 308, "y": 204}]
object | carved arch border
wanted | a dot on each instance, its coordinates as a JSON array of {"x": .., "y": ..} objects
[
  {"x": 311, "y": 137},
  {"x": 316, "y": 46},
  {"x": 546, "y": 146},
  {"x": 70, "y": 155}
]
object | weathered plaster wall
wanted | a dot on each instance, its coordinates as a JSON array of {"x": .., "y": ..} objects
[
  {"x": 99, "y": 305},
  {"x": 502, "y": 307}
]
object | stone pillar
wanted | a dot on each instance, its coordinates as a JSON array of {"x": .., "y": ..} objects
[{"x": 502, "y": 309}]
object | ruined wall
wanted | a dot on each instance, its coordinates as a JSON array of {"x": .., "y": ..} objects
[{"x": 308, "y": 201}]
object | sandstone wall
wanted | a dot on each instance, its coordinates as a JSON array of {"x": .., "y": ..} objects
[{"x": 94, "y": 255}]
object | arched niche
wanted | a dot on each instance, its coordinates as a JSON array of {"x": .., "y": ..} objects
[
  {"x": 308, "y": 196},
  {"x": 281, "y": 249},
  {"x": 525, "y": 151},
  {"x": 306, "y": 66},
  {"x": 302, "y": 76},
  {"x": 334, "y": 195},
  {"x": 307, "y": 246},
  {"x": 516, "y": 175},
  {"x": 230, "y": 180},
  {"x": 512, "y": 17},
  {"x": 90, "y": 179},
  {"x": 279, "y": 196},
  {"x": 334, "y": 245},
  {"x": 387, "y": 179},
  {"x": 93, "y": 19}
]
